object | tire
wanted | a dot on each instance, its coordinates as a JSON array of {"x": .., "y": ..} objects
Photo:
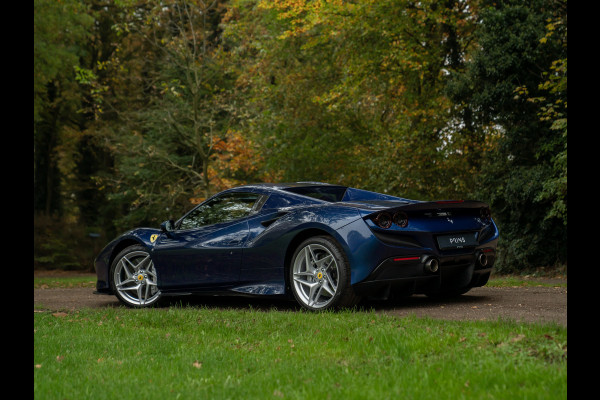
[
  {"x": 133, "y": 278},
  {"x": 320, "y": 275}
]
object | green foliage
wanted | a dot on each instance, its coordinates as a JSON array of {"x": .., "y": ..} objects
[
  {"x": 58, "y": 244},
  {"x": 143, "y": 109},
  {"x": 60, "y": 32},
  {"x": 365, "y": 81},
  {"x": 524, "y": 179},
  {"x": 59, "y": 29}
]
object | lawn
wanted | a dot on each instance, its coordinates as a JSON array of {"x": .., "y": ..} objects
[{"x": 211, "y": 353}]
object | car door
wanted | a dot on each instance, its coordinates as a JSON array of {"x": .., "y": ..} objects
[{"x": 205, "y": 249}]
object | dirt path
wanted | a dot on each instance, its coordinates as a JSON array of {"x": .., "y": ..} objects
[{"x": 527, "y": 304}]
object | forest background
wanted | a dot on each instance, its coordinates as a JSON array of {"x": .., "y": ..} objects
[{"x": 142, "y": 109}]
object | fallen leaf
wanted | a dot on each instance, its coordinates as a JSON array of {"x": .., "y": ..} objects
[
  {"x": 517, "y": 338},
  {"x": 59, "y": 358},
  {"x": 197, "y": 364},
  {"x": 59, "y": 314},
  {"x": 38, "y": 366}
]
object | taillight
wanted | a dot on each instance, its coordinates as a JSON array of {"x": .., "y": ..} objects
[
  {"x": 401, "y": 219},
  {"x": 383, "y": 220}
]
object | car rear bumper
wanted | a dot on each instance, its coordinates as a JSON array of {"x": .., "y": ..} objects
[{"x": 417, "y": 274}]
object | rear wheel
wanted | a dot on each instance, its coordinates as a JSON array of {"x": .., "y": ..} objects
[
  {"x": 133, "y": 278},
  {"x": 320, "y": 275}
]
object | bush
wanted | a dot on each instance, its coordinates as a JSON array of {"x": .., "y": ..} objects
[{"x": 66, "y": 245}]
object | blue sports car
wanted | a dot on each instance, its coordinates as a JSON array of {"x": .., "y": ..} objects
[{"x": 326, "y": 246}]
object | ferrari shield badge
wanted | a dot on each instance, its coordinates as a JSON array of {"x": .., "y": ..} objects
[{"x": 153, "y": 238}]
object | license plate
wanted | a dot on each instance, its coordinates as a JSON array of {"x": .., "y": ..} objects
[{"x": 457, "y": 241}]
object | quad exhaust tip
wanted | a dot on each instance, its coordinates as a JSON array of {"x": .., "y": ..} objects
[
  {"x": 432, "y": 265},
  {"x": 482, "y": 259}
]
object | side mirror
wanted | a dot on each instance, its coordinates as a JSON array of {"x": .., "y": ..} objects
[{"x": 167, "y": 226}]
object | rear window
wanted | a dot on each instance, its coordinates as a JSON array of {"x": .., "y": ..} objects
[{"x": 328, "y": 193}]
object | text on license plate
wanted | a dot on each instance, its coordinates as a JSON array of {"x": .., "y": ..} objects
[{"x": 457, "y": 240}]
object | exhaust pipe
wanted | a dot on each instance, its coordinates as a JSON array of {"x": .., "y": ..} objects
[
  {"x": 482, "y": 259},
  {"x": 432, "y": 265}
]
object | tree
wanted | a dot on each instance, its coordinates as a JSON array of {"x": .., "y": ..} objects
[
  {"x": 516, "y": 82},
  {"x": 60, "y": 33},
  {"x": 355, "y": 92},
  {"x": 169, "y": 143}
]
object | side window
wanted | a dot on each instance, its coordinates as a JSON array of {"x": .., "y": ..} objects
[{"x": 227, "y": 207}]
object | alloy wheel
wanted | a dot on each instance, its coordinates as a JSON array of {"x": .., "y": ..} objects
[
  {"x": 135, "y": 279},
  {"x": 315, "y": 276}
]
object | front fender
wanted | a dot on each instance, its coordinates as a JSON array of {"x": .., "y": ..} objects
[{"x": 142, "y": 236}]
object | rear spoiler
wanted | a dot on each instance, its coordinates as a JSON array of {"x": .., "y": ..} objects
[
  {"x": 442, "y": 204},
  {"x": 402, "y": 213}
]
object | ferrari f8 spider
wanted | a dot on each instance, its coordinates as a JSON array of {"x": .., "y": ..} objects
[{"x": 326, "y": 246}]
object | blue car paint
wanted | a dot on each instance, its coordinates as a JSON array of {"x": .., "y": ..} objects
[
  {"x": 202, "y": 257},
  {"x": 245, "y": 257},
  {"x": 104, "y": 259}
]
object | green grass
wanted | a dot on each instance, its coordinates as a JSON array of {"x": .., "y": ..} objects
[
  {"x": 513, "y": 281},
  {"x": 205, "y": 353},
  {"x": 64, "y": 282}
]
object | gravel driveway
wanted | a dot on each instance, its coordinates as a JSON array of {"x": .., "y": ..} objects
[{"x": 527, "y": 304}]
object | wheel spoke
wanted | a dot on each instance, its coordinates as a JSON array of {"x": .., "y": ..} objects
[
  {"x": 331, "y": 282},
  {"x": 320, "y": 263},
  {"x": 125, "y": 263},
  {"x": 139, "y": 294},
  {"x": 142, "y": 264},
  {"x": 125, "y": 289},
  {"x": 297, "y": 276},
  {"x": 128, "y": 280},
  {"x": 309, "y": 259},
  {"x": 304, "y": 282},
  {"x": 151, "y": 272},
  {"x": 329, "y": 287},
  {"x": 315, "y": 293},
  {"x": 146, "y": 294}
]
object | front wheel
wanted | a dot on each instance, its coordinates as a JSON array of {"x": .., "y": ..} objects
[
  {"x": 320, "y": 275},
  {"x": 133, "y": 277}
]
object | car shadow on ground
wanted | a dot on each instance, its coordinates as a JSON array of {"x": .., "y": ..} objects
[
  {"x": 230, "y": 302},
  {"x": 365, "y": 305}
]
